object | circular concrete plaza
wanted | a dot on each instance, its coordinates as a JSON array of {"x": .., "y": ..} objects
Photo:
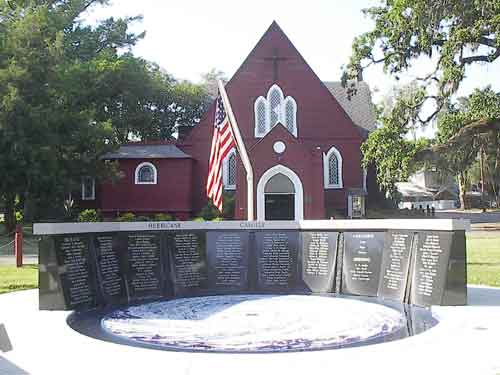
[{"x": 465, "y": 341}]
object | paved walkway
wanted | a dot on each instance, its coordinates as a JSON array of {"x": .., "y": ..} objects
[
  {"x": 464, "y": 342},
  {"x": 487, "y": 219},
  {"x": 8, "y": 260}
]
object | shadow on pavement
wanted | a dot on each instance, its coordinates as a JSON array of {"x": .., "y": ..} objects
[{"x": 8, "y": 368}]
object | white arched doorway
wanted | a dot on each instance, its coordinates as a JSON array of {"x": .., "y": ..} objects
[{"x": 279, "y": 187}]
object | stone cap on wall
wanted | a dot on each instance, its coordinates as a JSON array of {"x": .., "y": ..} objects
[{"x": 334, "y": 225}]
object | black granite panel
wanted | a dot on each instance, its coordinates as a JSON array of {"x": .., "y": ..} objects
[
  {"x": 110, "y": 258},
  {"x": 455, "y": 293},
  {"x": 395, "y": 265},
  {"x": 50, "y": 292},
  {"x": 144, "y": 276},
  {"x": 317, "y": 261},
  {"x": 430, "y": 268},
  {"x": 361, "y": 263},
  {"x": 277, "y": 260},
  {"x": 76, "y": 270},
  {"x": 188, "y": 262},
  {"x": 227, "y": 254}
]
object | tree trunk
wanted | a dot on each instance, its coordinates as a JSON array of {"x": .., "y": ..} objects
[
  {"x": 481, "y": 165},
  {"x": 10, "y": 213},
  {"x": 461, "y": 186}
]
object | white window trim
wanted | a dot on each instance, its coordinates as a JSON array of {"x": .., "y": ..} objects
[
  {"x": 225, "y": 171},
  {"x": 365, "y": 174},
  {"x": 155, "y": 174},
  {"x": 91, "y": 197},
  {"x": 282, "y": 115},
  {"x": 298, "y": 196},
  {"x": 291, "y": 99},
  {"x": 274, "y": 87},
  {"x": 326, "y": 166},
  {"x": 266, "y": 120}
]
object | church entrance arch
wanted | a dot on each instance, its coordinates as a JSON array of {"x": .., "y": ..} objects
[{"x": 280, "y": 195}]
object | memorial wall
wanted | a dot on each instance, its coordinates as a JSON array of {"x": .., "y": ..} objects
[{"x": 85, "y": 266}]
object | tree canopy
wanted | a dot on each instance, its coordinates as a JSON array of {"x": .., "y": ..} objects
[
  {"x": 388, "y": 147},
  {"x": 468, "y": 128},
  {"x": 453, "y": 33},
  {"x": 70, "y": 92}
]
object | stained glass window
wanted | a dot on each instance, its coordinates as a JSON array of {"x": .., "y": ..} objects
[
  {"x": 260, "y": 116},
  {"x": 290, "y": 115},
  {"x": 275, "y": 99},
  {"x": 145, "y": 173},
  {"x": 273, "y": 109},
  {"x": 333, "y": 170},
  {"x": 231, "y": 169}
]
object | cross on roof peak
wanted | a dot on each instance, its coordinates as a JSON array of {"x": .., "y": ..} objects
[{"x": 276, "y": 59}]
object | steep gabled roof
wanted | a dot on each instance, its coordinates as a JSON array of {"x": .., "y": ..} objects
[
  {"x": 360, "y": 107},
  {"x": 325, "y": 116}
]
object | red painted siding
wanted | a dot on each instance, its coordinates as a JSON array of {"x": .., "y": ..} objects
[{"x": 172, "y": 193}]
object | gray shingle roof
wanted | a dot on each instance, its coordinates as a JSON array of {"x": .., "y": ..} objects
[
  {"x": 360, "y": 107},
  {"x": 142, "y": 151}
]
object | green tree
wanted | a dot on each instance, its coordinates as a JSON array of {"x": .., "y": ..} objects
[
  {"x": 141, "y": 100},
  {"x": 389, "y": 147},
  {"x": 460, "y": 144},
  {"x": 454, "y": 33},
  {"x": 190, "y": 102},
  {"x": 49, "y": 134}
]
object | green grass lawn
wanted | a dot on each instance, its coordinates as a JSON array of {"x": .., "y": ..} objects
[
  {"x": 483, "y": 259},
  {"x": 14, "y": 279}
]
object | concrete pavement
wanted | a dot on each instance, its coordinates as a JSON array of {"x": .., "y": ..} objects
[{"x": 464, "y": 342}]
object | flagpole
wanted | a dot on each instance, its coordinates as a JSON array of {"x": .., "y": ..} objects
[{"x": 240, "y": 146}]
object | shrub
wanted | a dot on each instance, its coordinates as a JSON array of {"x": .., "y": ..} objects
[
  {"x": 218, "y": 219},
  {"x": 127, "y": 216},
  {"x": 198, "y": 219},
  {"x": 210, "y": 212},
  {"x": 142, "y": 218},
  {"x": 163, "y": 217},
  {"x": 91, "y": 216}
]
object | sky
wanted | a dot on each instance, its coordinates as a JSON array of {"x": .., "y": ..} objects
[{"x": 190, "y": 37}]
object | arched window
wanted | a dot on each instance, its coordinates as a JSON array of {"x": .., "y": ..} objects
[
  {"x": 260, "y": 117},
  {"x": 146, "y": 173},
  {"x": 332, "y": 169},
  {"x": 229, "y": 170},
  {"x": 291, "y": 115},
  {"x": 273, "y": 109},
  {"x": 275, "y": 102}
]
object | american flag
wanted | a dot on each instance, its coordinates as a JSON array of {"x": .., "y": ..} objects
[{"x": 222, "y": 143}]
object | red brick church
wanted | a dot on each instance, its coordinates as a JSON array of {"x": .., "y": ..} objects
[{"x": 302, "y": 135}]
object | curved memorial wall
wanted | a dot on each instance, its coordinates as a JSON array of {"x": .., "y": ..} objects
[{"x": 85, "y": 266}]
